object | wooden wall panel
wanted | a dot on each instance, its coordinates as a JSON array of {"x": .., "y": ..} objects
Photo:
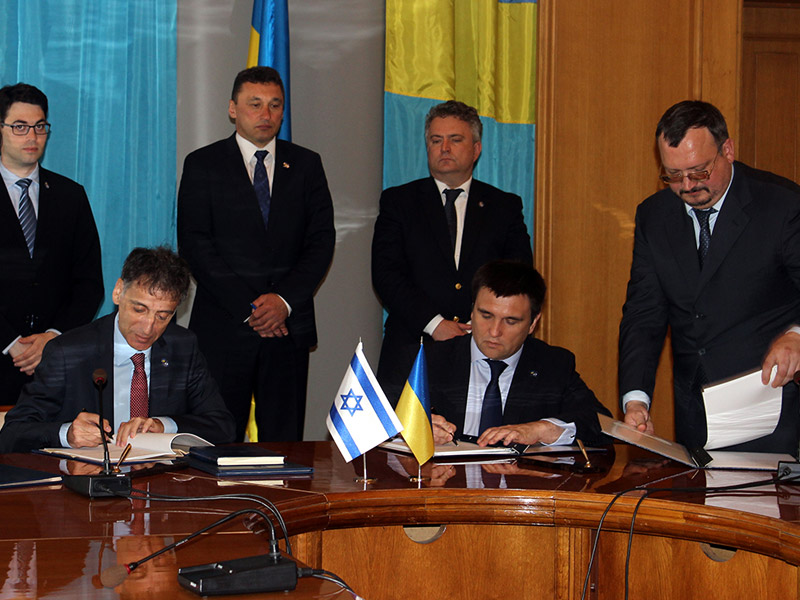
[
  {"x": 770, "y": 99},
  {"x": 608, "y": 70}
]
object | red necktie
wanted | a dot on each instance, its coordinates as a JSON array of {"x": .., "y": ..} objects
[{"x": 139, "y": 403}]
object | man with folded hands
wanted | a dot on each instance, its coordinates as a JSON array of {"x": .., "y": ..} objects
[
  {"x": 499, "y": 383},
  {"x": 157, "y": 379}
]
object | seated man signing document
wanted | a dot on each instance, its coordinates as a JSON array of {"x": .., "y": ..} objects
[
  {"x": 157, "y": 378},
  {"x": 501, "y": 384}
]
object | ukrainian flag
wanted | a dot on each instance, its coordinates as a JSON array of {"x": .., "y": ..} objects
[
  {"x": 269, "y": 46},
  {"x": 414, "y": 411},
  {"x": 481, "y": 52}
]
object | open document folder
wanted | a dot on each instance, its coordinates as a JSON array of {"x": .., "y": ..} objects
[
  {"x": 716, "y": 459},
  {"x": 144, "y": 447},
  {"x": 466, "y": 450}
]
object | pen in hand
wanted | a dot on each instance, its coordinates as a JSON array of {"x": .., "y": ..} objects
[
  {"x": 253, "y": 307},
  {"x": 452, "y": 435}
]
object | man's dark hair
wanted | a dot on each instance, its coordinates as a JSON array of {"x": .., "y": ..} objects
[
  {"x": 459, "y": 110},
  {"x": 159, "y": 270},
  {"x": 691, "y": 114},
  {"x": 256, "y": 75},
  {"x": 21, "y": 92},
  {"x": 506, "y": 278}
]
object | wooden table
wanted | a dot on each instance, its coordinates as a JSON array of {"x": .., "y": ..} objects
[{"x": 494, "y": 531}]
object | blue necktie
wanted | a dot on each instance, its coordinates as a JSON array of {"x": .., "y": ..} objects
[
  {"x": 705, "y": 232},
  {"x": 492, "y": 408},
  {"x": 27, "y": 216},
  {"x": 261, "y": 186}
]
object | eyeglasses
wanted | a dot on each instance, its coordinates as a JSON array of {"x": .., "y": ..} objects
[
  {"x": 693, "y": 175},
  {"x": 41, "y": 128}
]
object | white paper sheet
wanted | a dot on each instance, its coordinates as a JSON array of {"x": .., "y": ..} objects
[{"x": 740, "y": 410}]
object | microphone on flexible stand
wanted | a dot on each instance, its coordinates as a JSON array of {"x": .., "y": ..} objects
[
  {"x": 107, "y": 483},
  {"x": 256, "y": 574}
]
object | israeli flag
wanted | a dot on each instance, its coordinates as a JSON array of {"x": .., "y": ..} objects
[{"x": 361, "y": 416}]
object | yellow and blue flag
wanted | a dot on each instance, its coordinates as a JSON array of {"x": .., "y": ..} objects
[
  {"x": 414, "y": 410},
  {"x": 481, "y": 52},
  {"x": 269, "y": 46},
  {"x": 361, "y": 416}
]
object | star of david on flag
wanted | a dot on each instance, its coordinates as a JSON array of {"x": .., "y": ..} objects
[{"x": 361, "y": 416}]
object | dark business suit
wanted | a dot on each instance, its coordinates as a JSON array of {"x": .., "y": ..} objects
[
  {"x": 723, "y": 317},
  {"x": 413, "y": 270},
  {"x": 61, "y": 287},
  {"x": 180, "y": 387},
  {"x": 545, "y": 385},
  {"x": 235, "y": 259}
]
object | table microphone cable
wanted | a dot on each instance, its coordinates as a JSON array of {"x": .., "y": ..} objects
[{"x": 779, "y": 478}]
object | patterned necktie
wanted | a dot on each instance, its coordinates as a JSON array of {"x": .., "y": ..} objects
[
  {"x": 261, "y": 186},
  {"x": 705, "y": 232},
  {"x": 139, "y": 404},
  {"x": 492, "y": 408},
  {"x": 27, "y": 216},
  {"x": 450, "y": 213}
]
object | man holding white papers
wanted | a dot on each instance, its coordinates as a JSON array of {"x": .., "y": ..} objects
[
  {"x": 157, "y": 379},
  {"x": 499, "y": 383},
  {"x": 716, "y": 259}
]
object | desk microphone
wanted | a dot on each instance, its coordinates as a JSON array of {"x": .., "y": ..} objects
[
  {"x": 107, "y": 483},
  {"x": 256, "y": 574}
]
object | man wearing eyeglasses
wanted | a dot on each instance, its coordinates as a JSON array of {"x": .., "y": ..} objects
[
  {"x": 50, "y": 272},
  {"x": 716, "y": 259}
]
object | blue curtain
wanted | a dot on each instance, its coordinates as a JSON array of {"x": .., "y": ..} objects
[{"x": 109, "y": 71}]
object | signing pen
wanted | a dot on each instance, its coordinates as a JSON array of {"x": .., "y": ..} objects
[
  {"x": 122, "y": 457},
  {"x": 452, "y": 435},
  {"x": 253, "y": 307}
]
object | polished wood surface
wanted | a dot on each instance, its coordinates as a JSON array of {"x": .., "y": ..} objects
[
  {"x": 472, "y": 531},
  {"x": 607, "y": 72}
]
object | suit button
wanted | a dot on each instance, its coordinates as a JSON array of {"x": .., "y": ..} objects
[
  {"x": 701, "y": 352},
  {"x": 455, "y": 319},
  {"x": 458, "y": 286},
  {"x": 699, "y": 316}
]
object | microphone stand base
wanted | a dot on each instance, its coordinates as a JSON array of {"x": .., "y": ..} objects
[
  {"x": 251, "y": 575},
  {"x": 100, "y": 485}
]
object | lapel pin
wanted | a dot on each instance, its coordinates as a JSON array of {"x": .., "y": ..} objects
[
  {"x": 46, "y": 185},
  {"x": 534, "y": 373},
  {"x": 285, "y": 165},
  {"x": 164, "y": 362},
  {"x": 480, "y": 203}
]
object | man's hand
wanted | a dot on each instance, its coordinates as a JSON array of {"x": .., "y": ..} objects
[
  {"x": 784, "y": 352},
  {"x": 637, "y": 415},
  {"x": 84, "y": 431},
  {"x": 269, "y": 317},
  {"x": 449, "y": 329},
  {"x": 30, "y": 358},
  {"x": 136, "y": 425},
  {"x": 443, "y": 431},
  {"x": 524, "y": 433}
]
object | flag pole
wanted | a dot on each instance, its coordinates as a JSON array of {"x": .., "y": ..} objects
[{"x": 364, "y": 479}]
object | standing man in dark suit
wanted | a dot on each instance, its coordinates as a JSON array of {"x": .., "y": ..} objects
[
  {"x": 51, "y": 278},
  {"x": 158, "y": 380},
  {"x": 255, "y": 223},
  {"x": 501, "y": 384},
  {"x": 432, "y": 235},
  {"x": 716, "y": 259}
]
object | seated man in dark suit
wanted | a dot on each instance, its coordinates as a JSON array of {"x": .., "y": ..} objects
[
  {"x": 158, "y": 380},
  {"x": 501, "y": 384}
]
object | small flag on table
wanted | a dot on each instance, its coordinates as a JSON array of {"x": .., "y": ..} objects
[
  {"x": 361, "y": 416},
  {"x": 414, "y": 410}
]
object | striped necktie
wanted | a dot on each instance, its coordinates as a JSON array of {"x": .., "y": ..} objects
[{"x": 27, "y": 216}]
